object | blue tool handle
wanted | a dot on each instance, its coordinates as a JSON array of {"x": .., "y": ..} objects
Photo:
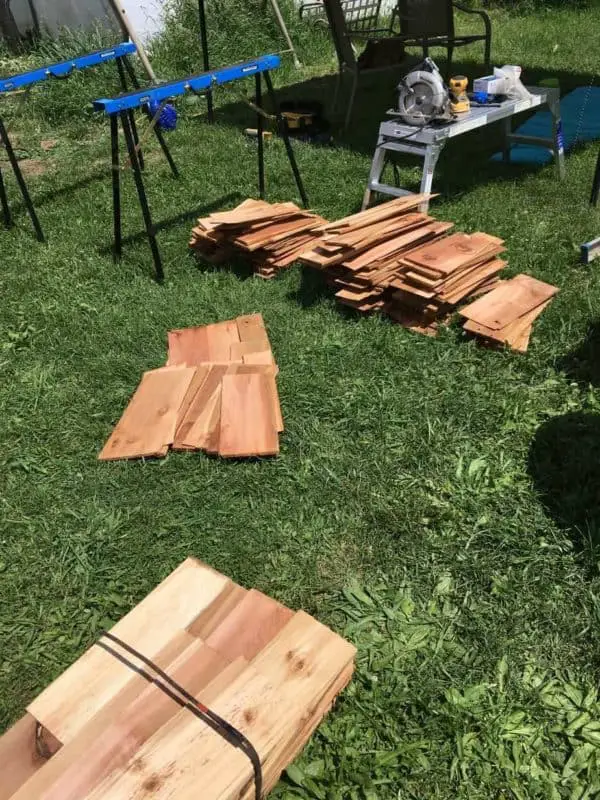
[
  {"x": 194, "y": 83},
  {"x": 64, "y": 68}
]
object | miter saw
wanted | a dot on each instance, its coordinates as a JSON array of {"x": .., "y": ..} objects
[{"x": 424, "y": 97}]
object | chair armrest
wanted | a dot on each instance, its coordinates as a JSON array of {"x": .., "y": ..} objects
[{"x": 486, "y": 19}]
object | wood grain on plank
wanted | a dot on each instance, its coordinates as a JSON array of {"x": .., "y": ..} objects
[
  {"x": 456, "y": 250},
  {"x": 266, "y": 702},
  {"x": 508, "y": 302},
  {"x": 148, "y": 424},
  {"x": 115, "y": 734},
  {"x": 23, "y": 753},
  {"x": 207, "y": 405},
  {"x": 203, "y": 344},
  {"x": 248, "y": 424},
  {"x": 72, "y": 700},
  {"x": 250, "y": 626},
  {"x": 190, "y": 408}
]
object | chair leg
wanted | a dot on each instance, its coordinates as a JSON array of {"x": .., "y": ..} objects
[
  {"x": 336, "y": 93},
  {"x": 450, "y": 51},
  {"x": 488, "y": 50},
  {"x": 351, "y": 101}
]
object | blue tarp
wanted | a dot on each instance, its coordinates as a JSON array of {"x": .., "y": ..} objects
[{"x": 580, "y": 111}]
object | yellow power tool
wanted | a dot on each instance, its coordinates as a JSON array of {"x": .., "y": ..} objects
[{"x": 459, "y": 101}]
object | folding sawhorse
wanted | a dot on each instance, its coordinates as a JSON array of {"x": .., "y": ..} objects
[
  {"x": 121, "y": 109},
  {"x": 64, "y": 69}
]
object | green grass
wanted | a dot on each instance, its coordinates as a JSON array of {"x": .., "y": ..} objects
[{"x": 436, "y": 501}]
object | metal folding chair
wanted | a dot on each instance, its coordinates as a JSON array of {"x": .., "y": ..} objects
[{"x": 430, "y": 23}]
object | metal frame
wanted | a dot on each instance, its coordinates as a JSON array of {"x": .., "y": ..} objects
[
  {"x": 60, "y": 70},
  {"x": 596, "y": 184},
  {"x": 429, "y": 141},
  {"x": 120, "y": 111},
  {"x": 446, "y": 38}
]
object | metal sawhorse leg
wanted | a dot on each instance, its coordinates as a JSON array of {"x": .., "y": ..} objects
[
  {"x": 124, "y": 117},
  {"x": 14, "y": 163},
  {"x": 429, "y": 153}
]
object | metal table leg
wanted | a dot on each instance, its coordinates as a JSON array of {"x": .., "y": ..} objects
[
  {"x": 558, "y": 142},
  {"x": 596, "y": 184},
  {"x": 377, "y": 167},
  {"x": 432, "y": 155},
  {"x": 507, "y": 140},
  {"x": 283, "y": 127}
]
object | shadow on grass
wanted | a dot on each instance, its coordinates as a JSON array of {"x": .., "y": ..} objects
[
  {"x": 564, "y": 463},
  {"x": 240, "y": 267},
  {"x": 183, "y": 216},
  {"x": 312, "y": 290},
  {"x": 583, "y": 363}
]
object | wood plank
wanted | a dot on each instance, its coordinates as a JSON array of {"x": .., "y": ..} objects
[
  {"x": 243, "y": 216},
  {"x": 515, "y": 335},
  {"x": 270, "y": 371},
  {"x": 23, "y": 754},
  {"x": 252, "y": 327},
  {"x": 508, "y": 302},
  {"x": 148, "y": 424},
  {"x": 240, "y": 350},
  {"x": 287, "y": 752},
  {"x": 266, "y": 703},
  {"x": 277, "y": 233},
  {"x": 115, "y": 734},
  {"x": 248, "y": 424},
  {"x": 207, "y": 406},
  {"x": 388, "y": 209},
  {"x": 72, "y": 699},
  {"x": 201, "y": 345},
  {"x": 449, "y": 254},
  {"x": 188, "y": 346},
  {"x": 217, "y": 611},
  {"x": 190, "y": 408},
  {"x": 249, "y": 627}
]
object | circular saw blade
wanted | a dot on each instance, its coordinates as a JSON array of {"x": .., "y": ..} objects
[{"x": 422, "y": 97}]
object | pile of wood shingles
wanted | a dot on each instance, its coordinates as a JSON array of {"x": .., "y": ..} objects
[
  {"x": 505, "y": 316},
  {"x": 394, "y": 259},
  {"x": 218, "y": 393},
  {"x": 270, "y": 236},
  {"x": 102, "y": 731}
]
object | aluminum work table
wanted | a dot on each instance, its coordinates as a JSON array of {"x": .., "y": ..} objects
[{"x": 428, "y": 141}]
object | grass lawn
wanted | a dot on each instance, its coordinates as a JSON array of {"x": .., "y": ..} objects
[{"x": 437, "y": 502}]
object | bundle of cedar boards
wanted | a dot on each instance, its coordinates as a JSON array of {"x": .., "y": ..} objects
[
  {"x": 505, "y": 316},
  {"x": 218, "y": 393},
  {"x": 271, "y": 236},
  {"x": 102, "y": 731},
  {"x": 392, "y": 258},
  {"x": 431, "y": 280}
]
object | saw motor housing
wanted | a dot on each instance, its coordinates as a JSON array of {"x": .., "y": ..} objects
[{"x": 423, "y": 96}]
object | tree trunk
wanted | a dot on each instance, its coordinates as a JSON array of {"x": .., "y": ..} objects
[{"x": 8, "y": 26}]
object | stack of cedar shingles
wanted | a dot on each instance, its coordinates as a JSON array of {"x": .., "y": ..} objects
[
  {"x": 394, "y": 259},
  {"x": 103, "y": 732},
  {"x": 505, "y": 316},
  {"x": 271, "y": 236},
  {"x": 218, "y": 393},
  {"x": 431, "y": 280},
  {"x": 360, "y": 254}
]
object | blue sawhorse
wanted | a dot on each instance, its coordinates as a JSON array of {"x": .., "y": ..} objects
[
  {"x": 119, "y": 109},
  {"x": 61, "y": 70}
]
